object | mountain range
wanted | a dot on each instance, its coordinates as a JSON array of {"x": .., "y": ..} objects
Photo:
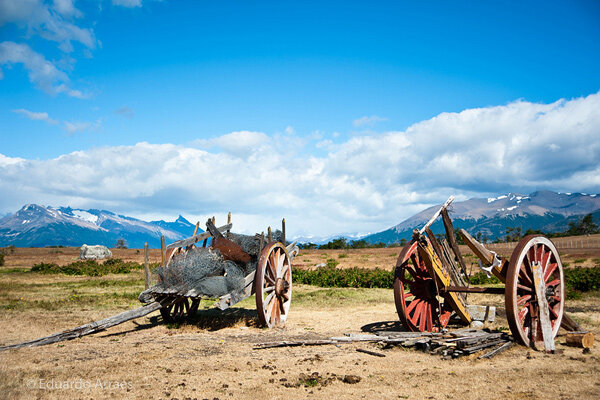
[
  {"x": 38, "y": 226},
  {"x": 544, "y": 210}
]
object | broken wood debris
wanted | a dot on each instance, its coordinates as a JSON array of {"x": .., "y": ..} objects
[{"x": 448, "y": 345}]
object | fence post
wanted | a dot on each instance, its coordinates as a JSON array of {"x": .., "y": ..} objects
[{"x": 146, "y": 270}]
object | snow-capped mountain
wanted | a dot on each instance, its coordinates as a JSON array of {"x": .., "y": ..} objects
[
  {"x": 544, "y": 210},
  {"x": 35, "y": 225}
]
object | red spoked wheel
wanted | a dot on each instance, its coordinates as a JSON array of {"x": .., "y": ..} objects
[
  {"x": 417, "y": 303},
  {"x": 273, "y": 285},
  {"x": 522, "y": 310}
]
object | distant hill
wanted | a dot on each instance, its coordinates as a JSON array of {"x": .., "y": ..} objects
[
  {"x": 38, "y": 226},
  {"x": 543, "y": 210}
]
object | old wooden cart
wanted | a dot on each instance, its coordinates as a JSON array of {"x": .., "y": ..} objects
[
  {"x": 431, "y": 282},
  {"x": 267, "y": 269}
]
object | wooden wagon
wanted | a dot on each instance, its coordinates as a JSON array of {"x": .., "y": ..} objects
[
  {"x": 431, "y": 282},
  {"x": 270, "y": 280}
]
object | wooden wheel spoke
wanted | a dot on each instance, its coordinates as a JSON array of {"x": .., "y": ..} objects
[
  {"x": 523, "y": 299},
  {"x": 523, "y": 313},
  {"x": 553, "y": 283},
  {"x": 549, "y": 271},
  {"x": 285, "y": 270},
  {"x": 524, "y": 288},
  {"x": 269, "y": 289},
  {"x": 281, "y": 306}
]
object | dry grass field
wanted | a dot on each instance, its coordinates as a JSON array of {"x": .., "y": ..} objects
[{"x": 212, "y": 356}]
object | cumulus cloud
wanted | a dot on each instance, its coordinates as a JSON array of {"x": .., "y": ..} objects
[
  {"x": 365, "y": 184},
  {"x": 35, "y": 116},
  {"x": 372, "y": 120}
]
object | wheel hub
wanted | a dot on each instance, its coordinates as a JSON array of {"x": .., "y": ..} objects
[{"x": 281, "y": 286}]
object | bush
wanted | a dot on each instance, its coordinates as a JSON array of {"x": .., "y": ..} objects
[
  {"x": 582, "y": 279},
  {"x": 330, "y": 276},
  {"x": 88, "y": 267},
  {"x": 480, "y": 278}
]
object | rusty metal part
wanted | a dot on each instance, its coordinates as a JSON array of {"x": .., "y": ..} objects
[
  {"x": 273, "y": 285},
  {"x": 486, "y": 256},
  {"x": 522, "y": 306}
]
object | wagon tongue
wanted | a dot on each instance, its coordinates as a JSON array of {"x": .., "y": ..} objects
[{"x": 229, "y": 250}]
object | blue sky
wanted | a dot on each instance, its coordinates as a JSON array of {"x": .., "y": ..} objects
[{"x": 309, "y": 89}]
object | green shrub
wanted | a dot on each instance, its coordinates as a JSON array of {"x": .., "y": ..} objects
[
  {"x": 582, "y": 279},
  {"x": 480, "y": 278},
  {"x": 330, "y": 276},
  {"x": 88, "y": 267}
]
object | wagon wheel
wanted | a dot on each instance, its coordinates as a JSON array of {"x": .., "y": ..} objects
[
  {"x": 522, "y": 310},
  {"x": 273, "y": 285},
  {"x": 417, "y": 305},
  {"x": 181, "y": 309}
]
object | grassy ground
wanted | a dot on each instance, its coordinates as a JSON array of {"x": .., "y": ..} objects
[{"x": 212, "y": 355}]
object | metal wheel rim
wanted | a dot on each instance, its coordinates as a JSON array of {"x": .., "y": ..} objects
[
  {"x": 519, "y": 285},
  {"x": 422, "y": 315},
  {"x": 273, "y": 285}
]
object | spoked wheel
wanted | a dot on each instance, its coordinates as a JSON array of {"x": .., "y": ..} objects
[
  {"x": 418, "y": 307},
  {"x": 273, "y": 285},
  {"x": 181, "y": 309},
  {"x": 522, "y": 310}
]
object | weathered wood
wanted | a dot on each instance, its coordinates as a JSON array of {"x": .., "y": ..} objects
[
  {"x": 468, "y": 342},
  {"x": 163, "y": 251},
  {"x": 269, "y": 237},
  {"x": 497, "y": 350},
  {"x": 580, "y": 339},
  {"x": 370, "y": 352},
  {"x": 486, "y": 256},
  {"x": 229, "y": 250},
  {"x": 283, "y": 231},
  {"x": 436, "y": 215},
  {"x": 90, "y": 328},
  {"x": 196, "y": 238},
  {"x": 452, "y": 240},
  {"x": 196, "y": 228},
  {"x": 569, "y": 324},
  {"x": 146, "y": 269},
  {"x": 481, "y": 346},
  {"x": 544, "y": 312},
  {"x": 464, "y": 289},
  {"x": 234, "y": 297}
]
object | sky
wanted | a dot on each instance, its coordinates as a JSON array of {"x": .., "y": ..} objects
[{"x": 342, "y": 117}]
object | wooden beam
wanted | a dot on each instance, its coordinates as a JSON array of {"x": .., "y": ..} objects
[
  {"x": 163, "y": 251},
  {"x": 197, "y": 238},
  {"x": 90, "y": 328},
  {"x": 437, "y": 214},
  {"x": 452, "y": 240}
]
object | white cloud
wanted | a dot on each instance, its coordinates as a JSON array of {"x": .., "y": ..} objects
[
  {"x": 127, "y": 3},
  {"x": 372, "y": 120},
  {"x": 74, "y": 127},
  {"x": 366, "y": 184},
  {"x": 36, "y": 116},
  {"x": 42, "y": 73},
  {"x": 39, "y": 19}
]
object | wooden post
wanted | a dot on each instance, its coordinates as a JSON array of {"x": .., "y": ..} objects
[
  {"x": 269, "y": 234},
  {"x": 452, "y": 240},
  {"x": 283, "y": 231},
  {"x": 196, "y": 228},
  {"x": 146, "y": 270},
  {"x": 228, "y": 222},
  {"x": 163, "y": 250},
  {"x": 262, "y": 242}
]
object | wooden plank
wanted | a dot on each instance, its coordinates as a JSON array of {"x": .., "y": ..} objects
[
  {"x": 90, "y": 328},
  {"x": 544, "y": 312},
  {"x": 437, "y": 214},
  {"x": 485, "y": 255},
  {"x": 497, "y": 351},
  {"x": 370, "y": 352},
  {"x": 196, "y": 238},
  {"x": 232, "y": 298},
  {"x": 452, "y": 240}
]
